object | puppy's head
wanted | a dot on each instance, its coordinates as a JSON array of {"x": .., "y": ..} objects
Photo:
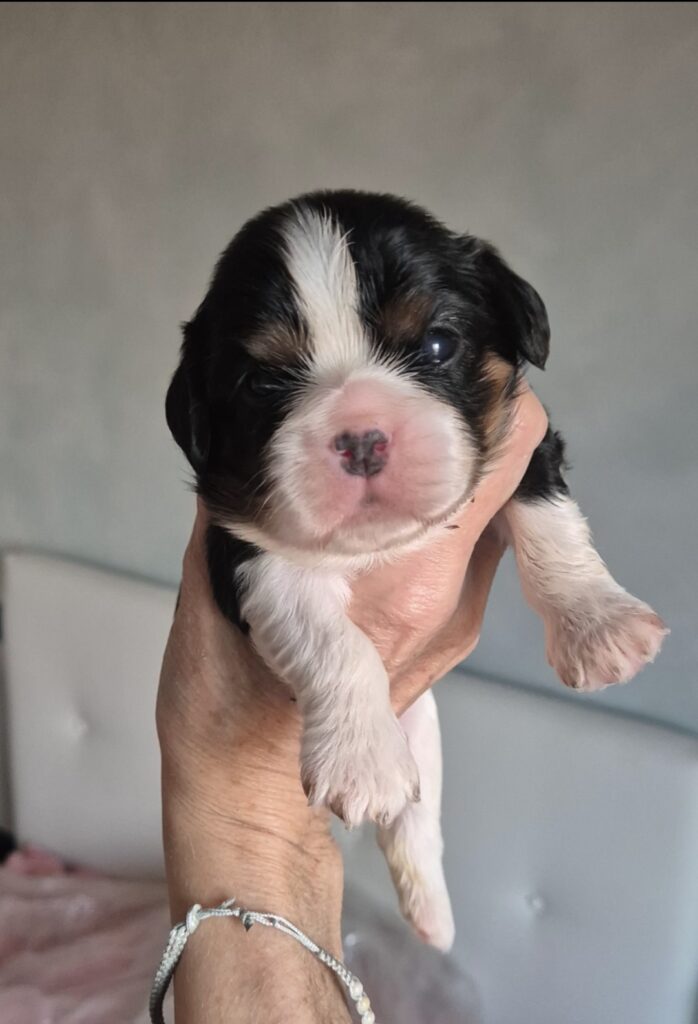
[{"x": 338, "y": 385}]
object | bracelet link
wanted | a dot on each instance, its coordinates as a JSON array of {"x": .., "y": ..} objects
[{"x": 193, "y": 919}]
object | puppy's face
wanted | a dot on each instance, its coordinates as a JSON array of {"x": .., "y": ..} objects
[{"x": 341, "y": 384}]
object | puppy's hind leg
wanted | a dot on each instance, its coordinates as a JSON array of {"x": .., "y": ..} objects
[
  {"x": 413, "y": 845},
  {"x": 596, "y": 632}
]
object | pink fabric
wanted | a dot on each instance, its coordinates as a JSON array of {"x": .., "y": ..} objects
[
  {"x": 79, "y": 948},
  {"x": 76, "y": 948}
]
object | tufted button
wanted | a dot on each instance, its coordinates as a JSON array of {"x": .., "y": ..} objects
[
  {"x": 536, "y": 904},
  {"x": 76, "y": 726}
]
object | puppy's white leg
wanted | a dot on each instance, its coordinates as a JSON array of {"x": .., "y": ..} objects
[
  {"x": 354, "y": 755},
  {"x": 413, "y": 845},
  {"x": 596, "y": 632}
]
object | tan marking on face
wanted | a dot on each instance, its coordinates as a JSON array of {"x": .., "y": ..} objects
[
  {"x": 278, "y": 344},
  {"x": 406, "y": 318},
  {"x": 501, "y": 377}
]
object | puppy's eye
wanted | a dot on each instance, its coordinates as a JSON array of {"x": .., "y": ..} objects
[
  {"x": 263, "y": 383},
  {"x": 438, "y": 347}
]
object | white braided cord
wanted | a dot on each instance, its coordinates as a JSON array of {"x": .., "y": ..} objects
[{"x": 181, "y": 932}]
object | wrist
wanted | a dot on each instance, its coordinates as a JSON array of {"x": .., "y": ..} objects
[
  {"x": 227, "y": 973},
  {"x": 240, "y": 827},
  {"x": 263, "y": 846}
]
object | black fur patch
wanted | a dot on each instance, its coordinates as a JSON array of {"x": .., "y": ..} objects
[
  {"x": 543, "y": 478},
  {"x": 225, "y": 555}
]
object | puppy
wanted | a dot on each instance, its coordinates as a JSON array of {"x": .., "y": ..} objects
[{"x": 342, "y": 388}]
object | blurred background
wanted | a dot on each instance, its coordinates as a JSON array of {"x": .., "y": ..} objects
[{"x": 138, "y": 137}]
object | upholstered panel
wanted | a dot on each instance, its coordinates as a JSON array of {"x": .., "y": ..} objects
[
  {"x": 83, "y": 650},
  {"x": 572, "y": 834},
  {"x": 572, "y": 858}
]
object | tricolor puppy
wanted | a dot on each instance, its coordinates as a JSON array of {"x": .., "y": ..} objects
[{"x": 342, "y": 388}]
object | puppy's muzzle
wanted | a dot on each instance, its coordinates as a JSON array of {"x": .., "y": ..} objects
[{"x": 362, "y": 454}]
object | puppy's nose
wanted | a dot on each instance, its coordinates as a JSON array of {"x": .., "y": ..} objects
[{"x": 362, "y": 454}]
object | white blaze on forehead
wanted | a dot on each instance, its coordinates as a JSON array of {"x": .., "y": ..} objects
[{"x": 324, "y": 277}]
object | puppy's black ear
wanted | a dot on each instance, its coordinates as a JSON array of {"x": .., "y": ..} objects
[
  {"x": 520, "y": 318},
  {"x": 185, "y": 405}
]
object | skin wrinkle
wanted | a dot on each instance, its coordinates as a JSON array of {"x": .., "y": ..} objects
[{"x": 237, "y": 822}]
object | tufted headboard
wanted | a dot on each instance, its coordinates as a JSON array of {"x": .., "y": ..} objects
[{"x": 572, "y": 834}]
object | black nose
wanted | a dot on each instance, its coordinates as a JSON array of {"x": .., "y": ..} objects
[{"x": 362, "y": 454}]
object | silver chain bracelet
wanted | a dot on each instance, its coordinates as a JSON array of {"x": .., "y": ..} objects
[{"x": 182, "y": 931}]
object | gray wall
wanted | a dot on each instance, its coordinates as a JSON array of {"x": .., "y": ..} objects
[{"x": 137, "y": 137}]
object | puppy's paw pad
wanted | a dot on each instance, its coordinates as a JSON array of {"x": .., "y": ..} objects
[
  {"x": 607, "y": 639},
  {"x": 368, "y": 778}
]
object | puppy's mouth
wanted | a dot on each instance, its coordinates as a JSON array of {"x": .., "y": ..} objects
[
  {"x": 372, "y": 503},
  {"x": 379, "y": 525},
  {"x": 376, "y": 526}
]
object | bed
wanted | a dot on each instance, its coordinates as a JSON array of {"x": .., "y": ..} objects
[{"x": 571, "y": 832}]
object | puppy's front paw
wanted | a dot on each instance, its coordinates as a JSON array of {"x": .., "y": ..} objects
[
  {"x": 367, "y": 773},
  {"x": 606, "y": 638}
]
